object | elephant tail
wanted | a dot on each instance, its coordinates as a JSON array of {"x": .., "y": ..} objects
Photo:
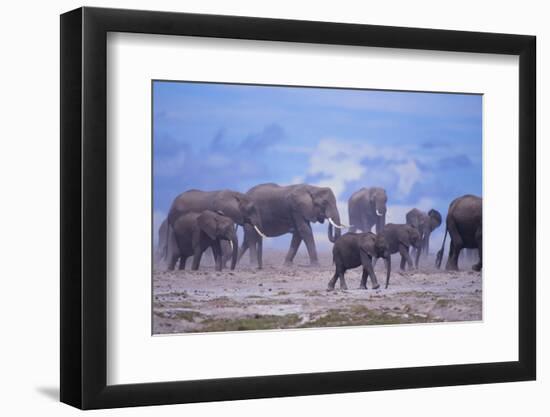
[
  {"x": 440, "y": 252},
  {"x": 169, "y": 230}
]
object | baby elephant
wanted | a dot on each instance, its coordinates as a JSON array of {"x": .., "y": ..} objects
[
  {"x": 196, "y": 232},
  {"x": 399, "y": 238},
  {"x": 354, "y": 249}
]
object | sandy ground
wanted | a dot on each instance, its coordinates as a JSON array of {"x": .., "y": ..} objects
[{"x": 279, "y": 297}]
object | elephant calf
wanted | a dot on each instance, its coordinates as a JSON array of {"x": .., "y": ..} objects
[
  {"x": 399, "y": 238},
  {"x": 354, "y": 249},
  {"x": 196, "y": 232}
]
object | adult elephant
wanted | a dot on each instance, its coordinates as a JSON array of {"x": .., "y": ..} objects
[
  {"x": 237, "y": 206},
  {"x": 366, "y": 208},
  {"x": 425, "y": 223},
  {"x": 194, "y": 233},
  {"x": 356, "y": 249},
  {"x": 291, "y": 209},
  {"x": 464, "y": 225}
]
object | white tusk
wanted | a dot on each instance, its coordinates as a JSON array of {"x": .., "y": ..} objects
[
  {"x": 378, "y": 213},
  {"x": 259, "y": 232},
  {"x": 231, "y": 245},
  {"x": 335, "y": 225}
]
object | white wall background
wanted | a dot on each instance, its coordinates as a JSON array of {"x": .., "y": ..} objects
[{"x": 29, "y": 175}]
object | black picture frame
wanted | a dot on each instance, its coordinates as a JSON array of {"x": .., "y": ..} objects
[{"x": 84, "y": 207}]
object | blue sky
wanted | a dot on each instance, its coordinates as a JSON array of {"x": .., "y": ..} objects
[{"x": 424, "y": 148}]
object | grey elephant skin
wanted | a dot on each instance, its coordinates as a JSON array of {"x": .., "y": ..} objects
[
  {"x": 291, "y": 209},
  {"x": 400, "y": 238},
  {"x": 232, "y": 204},
  {"x": 367, "y": 208},
  {"x": 194, "y": 233},
  {"x": 355, "y": 249},
  {"x": 425, "y": 223},
  {"x": 465, "y": 228}
]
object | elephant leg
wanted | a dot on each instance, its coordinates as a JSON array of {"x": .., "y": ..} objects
[
  {"x": 343, "y": 285},
  {"x": 217, "y": 251},
  {"x": 243, "y": 249},
  {"x": 172, "y": 262},
  {"x": 364, "y": 277},
  {"x": 479, "y": 265},
  {"x": 197, "y": 254},
  {"x": 454, "y": 253},
  {"x": 366, "y": 260},
  {"x": 183, "y": 260},
  {"x": 334, "y": 278},
  {"x": 307, "y": 235},
  {"x": 455, "y": 247},
  {"x": 294, "y": 245},
  {"x": 226, "y": 253},
  {"x": 403, "y": 263},
  {"x": 404, "y": 252},
  {"x": 416, "y": 258}
]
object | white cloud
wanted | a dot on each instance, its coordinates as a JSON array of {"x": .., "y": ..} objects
[
  {"x": 409, "y": 174},
  {"x": 341, "y": 162},
  {"x": 338, "y": 163}
]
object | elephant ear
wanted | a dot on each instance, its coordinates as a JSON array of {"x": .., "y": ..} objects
[
  {"x": 229, "y": 203},
  {"x": 368, "y": 244},
  {"x": 208, "y": 224},
  {"x": 435, "y": 218},
  {"x": 370, "y": 195},
  {"x": 414, "y": 237},
  {"x": 301, "y": 202},
  {"x": 412, "y": 219},
  {"x": 320, "y": 196}
]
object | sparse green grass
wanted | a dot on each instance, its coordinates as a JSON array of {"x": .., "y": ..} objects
[
  {"x": 443, "y": 303},
  {"x": 312, "y": 293},
  {"x": 358, "y": 315},
  {"x": 273, "y": 301},
  {"x": 417, "y": 294},
  {"x": 174, "y": 304},
  {"x": 188, "y": 315},
  {"x": 256, "y": 322}
]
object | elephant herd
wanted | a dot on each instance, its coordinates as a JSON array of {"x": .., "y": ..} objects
[{"x": 198, "y": 220}]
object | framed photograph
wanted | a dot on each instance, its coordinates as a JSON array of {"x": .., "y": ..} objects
[{"x": 257, "y": 208}]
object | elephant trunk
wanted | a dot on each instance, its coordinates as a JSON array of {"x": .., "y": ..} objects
[
  {"x": 380, "y": 223},
  {"x": 334, "y": 225},
  {"x": 331, "y": 236},
  {"x": 388, "y": 269},
  {"x": 235, "y": 250}
]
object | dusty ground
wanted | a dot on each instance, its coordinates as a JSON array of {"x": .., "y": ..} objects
[{"x": 289, "y": 297}]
